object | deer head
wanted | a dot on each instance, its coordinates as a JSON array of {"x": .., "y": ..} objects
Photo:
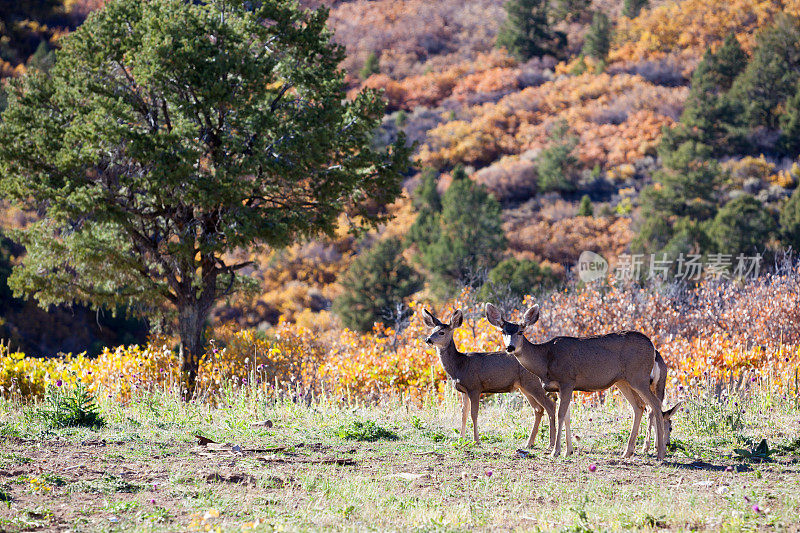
[
  {"x": 512, "y": 332},
  {"x": 441, "y": 334},
  {"x": 668, "y": 421}
]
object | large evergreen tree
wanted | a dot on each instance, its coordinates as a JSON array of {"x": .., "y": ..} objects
[
  {"x": 790, "y": 125},
  {"x": 772, "y": 74},
  {"x": 428, "y": 204},
  {"x": 710, "y": 116},
  {"x": 683, "y": 196},
  {"x": 527, "y": 31},
  {"x": 469, "y": 239},
  {"x": 170, "y": 133},
  {"x": 374, "y": 285}
]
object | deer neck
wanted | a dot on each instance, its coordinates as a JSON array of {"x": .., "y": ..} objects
[
  {"x": 534, "y": 357},
  {"x": 451, "y": 359}
]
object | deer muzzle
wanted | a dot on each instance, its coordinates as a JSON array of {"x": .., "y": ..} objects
[
  {"x": 428, "y": 341},
  {"x": 510, "y": 348}
]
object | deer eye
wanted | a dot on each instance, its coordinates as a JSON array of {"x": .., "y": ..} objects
[{"x": 441, "y": 333}]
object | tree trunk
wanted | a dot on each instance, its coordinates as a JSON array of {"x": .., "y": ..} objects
[{"x": 191, "y": 323}]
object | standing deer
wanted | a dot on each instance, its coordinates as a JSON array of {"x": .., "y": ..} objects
[
  {"x": 626, "y": 359},
  {"x": 478, "y": 372}
]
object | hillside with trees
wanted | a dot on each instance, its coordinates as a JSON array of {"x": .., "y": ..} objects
[{"x": 540, "y": 129}]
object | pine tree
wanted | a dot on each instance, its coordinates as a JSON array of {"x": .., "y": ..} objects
[
  {"x": 371, "y": 66},
  {"x": 772, "y": 74},
  {"x": 526, "y": 33},
  {"x": 742, "y": 226},
  {"x": 376, "y": 282},
  {"x": 790, "y": 125},
  {"x": 598, "y": 39},
  {"x": 569, "y": 10},
  {"x": 145, "y": 196},
  {"x": 43, "y": 58},
  {"x": 470, "y": 237},
  {"x": 428, "y": 203},
  {"x": 632, "y": 8},
  {"x": 710, "y": 116},
  {"x": 790, "y": 221},
  {"x": 684, "y": 195},
  {"x": 586, "y": 209},
  {"x": 556, "y": 162}
]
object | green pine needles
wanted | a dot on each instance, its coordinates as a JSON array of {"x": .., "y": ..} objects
[{"x": 66, "y": 406}]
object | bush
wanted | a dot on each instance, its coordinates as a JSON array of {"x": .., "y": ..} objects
[
  {"x": 367, "y": 431},
  {"x": 586, "y": 209},
  {"x": 66, "y": 406},
  {"x": 516, "y": 278},
  {"x": 371, "y": 66},
  {"x": 741, "y": 226}
]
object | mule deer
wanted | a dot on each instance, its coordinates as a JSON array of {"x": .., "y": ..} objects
[
  {"x": 658, "y": 385},
  {"x": 481, "y": 372},
  {"x": 625, "y": 359}
]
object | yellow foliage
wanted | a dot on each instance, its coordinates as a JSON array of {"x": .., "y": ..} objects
[{"x": 687, "y": 28}]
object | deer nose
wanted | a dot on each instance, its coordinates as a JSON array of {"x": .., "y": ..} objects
[
  {"x": 428, "y": 341},
  {"x": 510, "y": 348}
]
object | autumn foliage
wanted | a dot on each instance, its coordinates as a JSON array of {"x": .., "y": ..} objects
[{"x": 717, "y": 329}]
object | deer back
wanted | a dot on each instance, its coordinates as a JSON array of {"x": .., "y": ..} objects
[{"x": 596, "y": 363}]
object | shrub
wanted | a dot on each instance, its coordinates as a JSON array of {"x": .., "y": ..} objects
[
  {"x": 69, "y": 406},
  {"x": 585, "y": 209},
  {"x": 371, "y": 66},
  {"x": 516, "y": 278},
  {"x": 742, "y": 226},
  {"x": 367, "y": 431}
]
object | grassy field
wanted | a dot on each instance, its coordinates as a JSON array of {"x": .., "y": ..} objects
[{"x": 313, "y": 465}]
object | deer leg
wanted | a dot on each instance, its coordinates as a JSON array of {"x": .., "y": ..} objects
[
  {"x": 474, "y": 403},
  {"x": 464, "y": 407},
  {"x": 538, "y": 410},
  {"x": 655, "y": 406},
  {"x": 569, "y": 434},
  {"x": 564, "y": 397},
  {"x": 651, "y": 420},
  {"x": 638, "y": 409}
]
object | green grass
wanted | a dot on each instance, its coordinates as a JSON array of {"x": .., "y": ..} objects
[
  {"x": 402, "y": 468},
  {"x": 365, "y": 431}
]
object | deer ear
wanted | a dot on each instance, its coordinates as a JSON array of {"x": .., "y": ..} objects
[
  {"x": 428, "y": 318},
  {"x": 531, "y": 315},
  {"x": 494, "y": 316},
  {"x": 457, "y": 319},
  {"x": 669, "y": 412}
]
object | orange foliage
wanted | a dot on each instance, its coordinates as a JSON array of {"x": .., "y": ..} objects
[
  {"x": 617, "y": 119},
  {"x": 562, "y": 241},
  {"x": 487, "y": 73}
]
